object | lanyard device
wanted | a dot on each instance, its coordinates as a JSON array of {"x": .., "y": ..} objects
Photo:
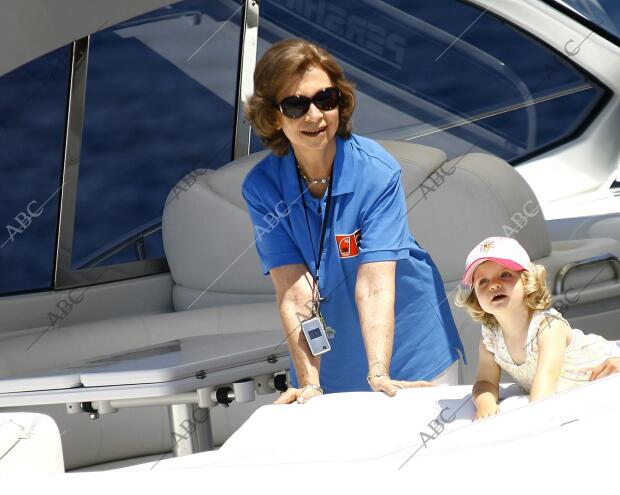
[
  {"x": 314, "y": 328},
  {"x": 316, "y": 297}
]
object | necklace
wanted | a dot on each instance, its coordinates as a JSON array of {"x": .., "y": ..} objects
[{"x": 310, "y": 181}]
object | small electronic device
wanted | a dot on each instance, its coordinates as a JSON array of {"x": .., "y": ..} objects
[{"x": 314, "y": 330}]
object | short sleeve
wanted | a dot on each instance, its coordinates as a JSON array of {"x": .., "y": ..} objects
[
  {"x": 489, "y": 340},
  {"x": 544, "y": 318},
  {"x": 274, "y": 243},
  {"x": 385, "y": 229}
]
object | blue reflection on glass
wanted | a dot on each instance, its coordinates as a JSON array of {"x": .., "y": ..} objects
[
  {"x": 32, "y": 124},
  {"x": 160, "y": 102}
]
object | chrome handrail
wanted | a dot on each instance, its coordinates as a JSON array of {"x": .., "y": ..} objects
[
  {"x": 194, "y": 15},
  {"x": 558, "y": 285},
  {"x": 135, "y": 237}
]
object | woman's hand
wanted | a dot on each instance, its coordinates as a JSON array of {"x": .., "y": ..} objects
[
  {"x": 486, "y": 410},
  {"x": 606, "y": 368},
  {"x": 299, "y": 395},
  {"x": 390, "y": 387}
]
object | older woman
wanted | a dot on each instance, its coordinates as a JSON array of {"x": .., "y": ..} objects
[{"x": 331, "y": 229}]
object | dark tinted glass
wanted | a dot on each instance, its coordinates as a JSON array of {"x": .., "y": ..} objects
[
  {"x": 33, "y": 101},
  {"x": 160, "y": 102},
  {"x": 443, "y": 73}
]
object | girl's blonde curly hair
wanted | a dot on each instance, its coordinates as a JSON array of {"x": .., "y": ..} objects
[
  {"x": 537, "y": 296},
  {"x": 285, "y": 62}
]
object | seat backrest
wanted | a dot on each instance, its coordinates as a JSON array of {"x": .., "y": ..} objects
[
  {"x": 465, "y": 200},
  {"x": 457, "y": 205},
  {"x": 209, "y": 240}
]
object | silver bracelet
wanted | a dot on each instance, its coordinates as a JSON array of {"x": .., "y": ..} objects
[
  {"x": 312, "y": 386},
  {"x": 369, "y": 378},
  {"x": 378, "y": 374}
]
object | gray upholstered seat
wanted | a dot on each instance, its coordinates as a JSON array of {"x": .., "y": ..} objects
[
  {"x": 208, "y": 240},
  {"x": 453, "y": 204},
  {"x": 478, "y": 195},
  {"x": 208, "y": 237}
]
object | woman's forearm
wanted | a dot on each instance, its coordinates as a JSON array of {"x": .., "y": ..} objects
[
  {"x": 293, "y": 285},
  {"x": 293, "y": 310},
  {"x": 374, "y": 295},
  {"x": 378, "y": 337}
]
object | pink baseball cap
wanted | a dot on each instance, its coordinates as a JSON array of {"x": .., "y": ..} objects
[{"x": 503, "y": 250}]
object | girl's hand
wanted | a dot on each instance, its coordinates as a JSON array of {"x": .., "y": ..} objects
[
  {"x": 606, "y": 368},
  {"x": 483, "y": 412},
  {"x": 388, "y": 386}
]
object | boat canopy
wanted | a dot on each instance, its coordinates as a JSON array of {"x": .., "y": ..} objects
[{"x": 32, "y": 28}]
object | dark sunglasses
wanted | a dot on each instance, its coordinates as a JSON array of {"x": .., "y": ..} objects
[{"x": 294, "y": 107}]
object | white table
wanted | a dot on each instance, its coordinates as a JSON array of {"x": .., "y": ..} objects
[{"x": 184, "y": 374}]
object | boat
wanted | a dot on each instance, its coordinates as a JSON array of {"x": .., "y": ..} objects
[{"x": 128, "y": 249}]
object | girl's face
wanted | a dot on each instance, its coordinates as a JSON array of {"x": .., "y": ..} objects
[
  {"x": 498, "y": 288},
  {"x": 316, "y": 129}
]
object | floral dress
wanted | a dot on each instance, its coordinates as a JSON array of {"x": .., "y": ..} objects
[{"x": 584, "y": 351}]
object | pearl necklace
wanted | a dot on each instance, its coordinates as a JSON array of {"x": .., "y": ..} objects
[{"x": 310, "y": 181}]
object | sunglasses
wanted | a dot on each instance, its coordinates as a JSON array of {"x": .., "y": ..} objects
[{"x": 294, "y": 107}]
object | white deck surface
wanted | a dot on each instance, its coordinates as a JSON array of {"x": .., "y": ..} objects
[{"x": 369, "y": 443}]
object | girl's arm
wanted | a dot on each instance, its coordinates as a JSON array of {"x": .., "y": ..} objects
[
  {"x": 486, "y": 389},
  {"x": 552, "y": 340}
]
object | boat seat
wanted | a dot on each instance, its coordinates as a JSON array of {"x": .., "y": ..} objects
[
  {"x": 113, "y": 335},
  {"x": 225, "y": 237},
  {"x": 483, "y": 196},
  {"x": 130, "y": 432},
  {"x": 29, "y": 445},
  {"x": 477, "y": 195},
  {"x": 453, "y": 204},
  {"x": 208, "y": 240}
]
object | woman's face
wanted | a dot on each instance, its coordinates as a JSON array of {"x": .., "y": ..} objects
[
  {"x": 315, "y": 130},
  {"x": 498, "y": 288}
]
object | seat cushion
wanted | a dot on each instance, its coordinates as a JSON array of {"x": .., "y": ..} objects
[{"x": 29, "y": 444}]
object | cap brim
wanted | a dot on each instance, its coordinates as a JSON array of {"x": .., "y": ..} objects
[{"x": 469, "y": 273}]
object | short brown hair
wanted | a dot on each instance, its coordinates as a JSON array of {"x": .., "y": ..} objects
[
  {"x": 284, "y": 62},
  {"x": 537, "y": 296}
]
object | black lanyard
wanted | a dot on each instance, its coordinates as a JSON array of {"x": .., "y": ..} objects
[{"x": 324, "y": 224}]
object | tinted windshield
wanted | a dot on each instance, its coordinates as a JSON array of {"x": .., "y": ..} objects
[
  {"x": 445, "y": 74},
  {"x": 604, "y": 13}
]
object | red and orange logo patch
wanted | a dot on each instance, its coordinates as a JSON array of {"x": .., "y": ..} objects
[{"x": 349, "y": 244}]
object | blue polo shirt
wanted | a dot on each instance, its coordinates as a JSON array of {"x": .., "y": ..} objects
[{"x": 368, "y": 222}]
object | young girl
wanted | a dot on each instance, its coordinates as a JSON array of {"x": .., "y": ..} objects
[{"x": 521, "y": 334}]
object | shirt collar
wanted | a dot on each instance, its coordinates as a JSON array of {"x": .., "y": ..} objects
[
  {"x": 343, "y": 173},
  {"x": 344, "y": 170}
]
